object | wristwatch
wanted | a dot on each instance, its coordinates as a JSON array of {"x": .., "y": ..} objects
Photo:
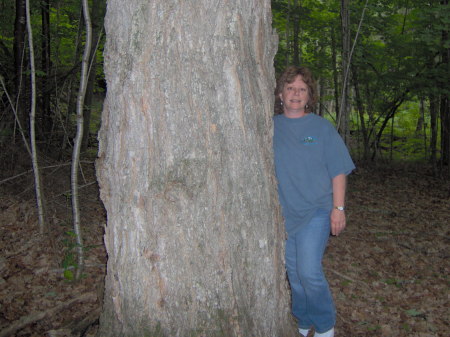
[{"x": 340, "y": 208}]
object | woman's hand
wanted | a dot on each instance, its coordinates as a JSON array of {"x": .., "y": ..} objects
[{"x": 337, "y": 221}]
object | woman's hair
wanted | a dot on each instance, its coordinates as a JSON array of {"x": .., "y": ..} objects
[{"x": 289, "y": 76}]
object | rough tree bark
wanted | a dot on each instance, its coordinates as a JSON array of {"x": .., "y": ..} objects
[{"x": 194, "y": 234}]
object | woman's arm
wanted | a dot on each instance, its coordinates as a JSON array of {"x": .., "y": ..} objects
[{"x": 338, "y": 216}]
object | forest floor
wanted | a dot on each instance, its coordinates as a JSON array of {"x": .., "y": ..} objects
[{"x": 389, "y": 271}]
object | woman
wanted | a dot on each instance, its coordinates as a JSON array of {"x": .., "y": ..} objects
[{"x": 311, "y": 163}]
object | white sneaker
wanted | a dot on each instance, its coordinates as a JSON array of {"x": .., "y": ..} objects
[
  {"x": 329, "y": 333},
  {"x": 303, "y": 332}
]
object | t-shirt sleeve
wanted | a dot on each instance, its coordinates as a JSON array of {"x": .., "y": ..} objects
[{"x": 338, "y": 159}]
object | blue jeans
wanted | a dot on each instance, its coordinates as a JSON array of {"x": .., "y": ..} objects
[{"x": 312, "y": 303}]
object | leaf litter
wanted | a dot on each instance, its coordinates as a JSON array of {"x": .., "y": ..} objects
[{"x": 388, "y": 270}]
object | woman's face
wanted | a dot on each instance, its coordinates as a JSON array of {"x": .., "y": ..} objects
[{"x": 295, "y": 97}]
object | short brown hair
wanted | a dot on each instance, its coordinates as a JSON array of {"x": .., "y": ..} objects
[{"x": 289, "y": 76}]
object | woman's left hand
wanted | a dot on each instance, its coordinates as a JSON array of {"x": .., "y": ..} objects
[{"x": 337, "y": 221}]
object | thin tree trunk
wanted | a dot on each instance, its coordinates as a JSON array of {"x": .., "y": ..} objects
[
  {"x": 445, "y": 102},
  {"x": 372, "y": 122},
  {"x": 37, "y": 176},
  {"x": 194, "y": 234},
  {"x": 434, "y": 132},
  {"x": 321, "y": 82},
  {"x": 79, "y": 138},
  {"x": 421, "y": 119},
  {"x": 19, "y": 59},
  {"x": 287, "y": 35},
  {"x": 296, "y": 35},
  {"x": 343, "y": 120},
  {"x": 97, "y": 27},
  {"x": 16, "y": 117},
  {"x": 421, "y": 129},
  {"x": 390, "y": 113},
  {"x": 71, "y": 92},
  {"x": 361, "y": 114},
  {"x": 391, "y": 147},
  {"x": 445, "y": 130},
  {"x": 343, "y": 117},
  {"x": 47, "y": 118},
  {"x": 334, "y": 65}
]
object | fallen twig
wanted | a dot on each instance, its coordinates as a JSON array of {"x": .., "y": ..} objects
[
  {"x": 78, "y": 328},
  {"x": 46, "y": 167},
  {"x": 348, "y": 278},
  {"x": 37, "y": 316},
  {"x": 62, "y": 270}
]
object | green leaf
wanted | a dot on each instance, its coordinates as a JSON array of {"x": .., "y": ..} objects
[
  {"x": 51, "y": 294},
  {"x": 393, "y": 281},
  {"x": 413, "y": 313},
  {"x": 374, "y": 328},
  {"x": 71, "y": 233},
  {"x": 68, "y": 275}
]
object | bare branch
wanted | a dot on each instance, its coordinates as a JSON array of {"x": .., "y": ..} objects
[
  {"x": 16, "y": 116},
  {"x": 349, "y": 61}
]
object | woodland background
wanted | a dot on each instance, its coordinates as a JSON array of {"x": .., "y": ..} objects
[{"x": 383, "y": 72}]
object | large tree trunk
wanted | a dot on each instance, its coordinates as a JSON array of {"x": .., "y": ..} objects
[{"x": 194, "y": 234}]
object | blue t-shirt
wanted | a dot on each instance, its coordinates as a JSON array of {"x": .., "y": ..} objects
[{"x": 309, "y": 153}]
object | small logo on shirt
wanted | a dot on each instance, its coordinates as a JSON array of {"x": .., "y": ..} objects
[{"x": 309, "y": 141}]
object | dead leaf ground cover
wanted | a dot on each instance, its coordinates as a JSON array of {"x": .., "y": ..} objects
[{"x": 388, "y": 270}]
